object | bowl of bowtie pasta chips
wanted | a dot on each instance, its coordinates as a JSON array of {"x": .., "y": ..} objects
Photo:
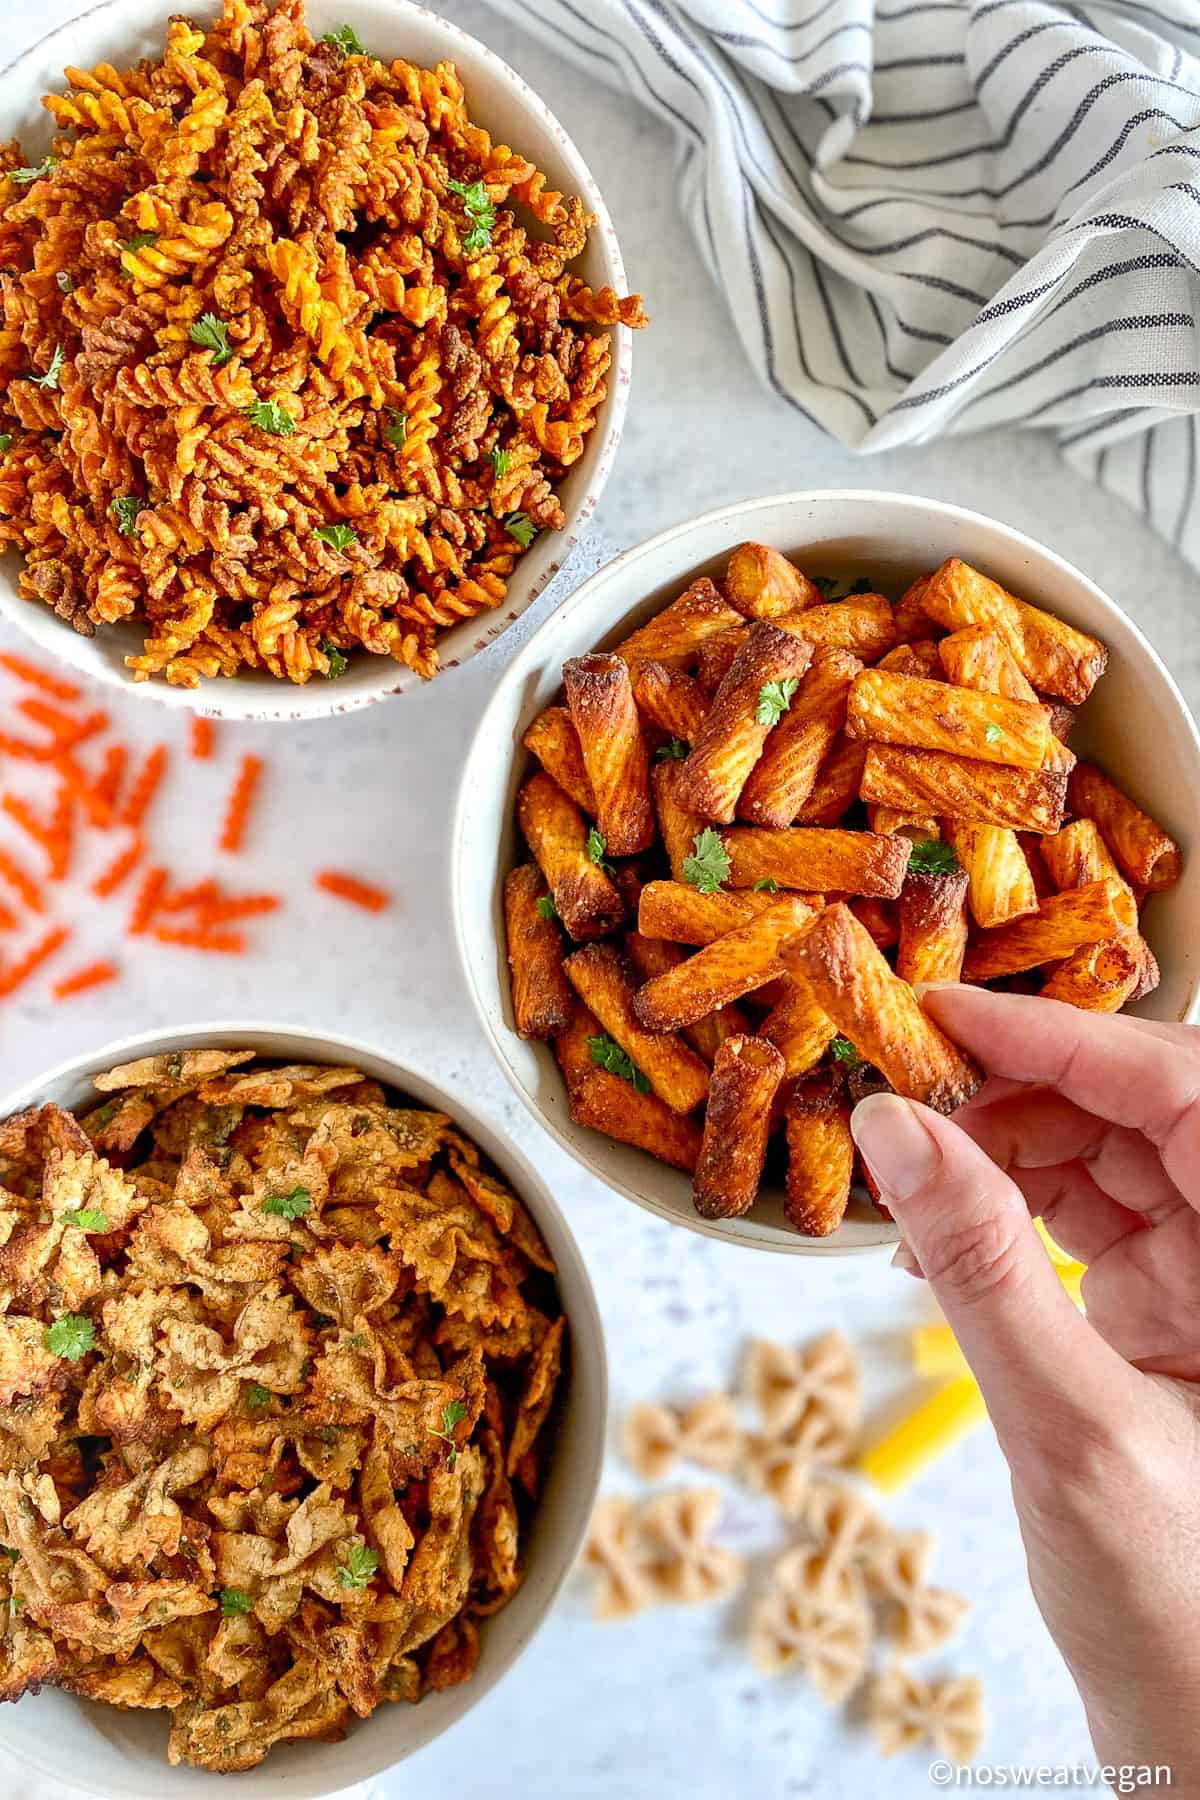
[
  {"x": 760, "y": 777},
  {"x": 304, "y": 1412},
  {"x": 317, "y": 349}
]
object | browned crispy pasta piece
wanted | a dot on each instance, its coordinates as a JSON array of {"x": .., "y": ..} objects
[
  {"x": 880, "y": 918},
  {"x": 1083, "y": 915},
  {"x": 1052, "y": 655},
  {"x": 863, "y": 624},
  {"x": 820, "y": 1155},
  {"x": 879, "y": 1013},
  {"x": 838, "y": 780},
  {"x": 921, "y": 782},
  {"x": 1142, "y": 848},
  {"x": 585, "y": 899},
  {"x": 793, "y": 755},
  {"x": 554, "y": 740},
  {"x": 541, "y": 996},
  {"x": 675, "y": 635},
  {"x": 1077, "y": 855},
  {"x": 716, "y": 656},
  {"x": 909, "y": 617},
  {"x": 762, "y": 584},
  {"x": 731, "y": 739},
  {"x": 605, "y": 982},
  {"x": 1099, "y": 977},
  {"x": 817, "y": 861},
  {"x": 1000, "y": 884},
  {"x": 798, "y": 1027},
  {"x": 933, "y": 927},
  {"x": 600, "y": 696},
  {"x": 677, "y": 824},
  {"x": 604, "y": 1102},
  {"x": 673, "y": 909},
  {"x": 671, "y": 700},
  {"x": 919, "y": 658},
  {"x": 934, "y": 715},
  {"x": 652, "y": 956},
  {"x": 732, "y": 965},
  {"x": 885, "y": 821},
  {"x": 737, "y": 1123}
]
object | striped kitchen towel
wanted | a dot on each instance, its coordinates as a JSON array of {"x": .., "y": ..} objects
[{"x": 934, "y": 216}]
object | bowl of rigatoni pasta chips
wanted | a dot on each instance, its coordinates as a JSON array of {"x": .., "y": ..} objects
[{"x": 763, "y": 776}]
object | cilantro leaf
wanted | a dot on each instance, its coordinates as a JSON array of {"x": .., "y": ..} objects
[
  {"x": 50, "y": 378},
  {"x": 258, "y": 1397},
  {"x": 674, "y": 750},
  {"x": 843, "y": 1051},
  {"x": 520, "y": 526},
  {"x": 477, "y": 240},
  {"x": 767, "y": 885},
  {"x": 452, "y": 1414},
  {"x": 126, "y": 508},
  {"x": 774, "y": 698},
  {"x": 546, "y": 907},
  {"x": 87, "y": 1218},
  {"x": 336, "y": 536},
  {"x": 396, "y": 433},
  {"x": 933, "y": 856},
  {"x": 708, "y": 866},
  {"x": 345, "y": 40},
  {"x": 70, "y": 1337},
  {"x": 472, "y": 194},
  {"x": 141, "y": 240},
  {"x": 211, "y": 333},
  {"x": 333, "y": 656},
  {"x": 993, "y": 732},
  {"x": 359, "y": 1566},
  {"x": 235, "y": 1601},
  {"x": 272, "y": 418},
  {"x": 5, "y": 441},
  {"x": 837, "y": 587},
  {"x": 481, "y": 215},
  {"x": 501, "y": 463},
  {"x": 5, "y": 1551},
  {"x": 296, "y": 1205},
  {"x": 608, "y": 1054},
  {"x": 597, "y": 844},
  {"x": 24, "y": 176}
]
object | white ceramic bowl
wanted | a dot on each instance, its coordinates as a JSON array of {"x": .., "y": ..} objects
[
  {"x": 122, "y": 31},
  {"x": 1136, "y": 723},
  {"x": 123, "y": 1755}
]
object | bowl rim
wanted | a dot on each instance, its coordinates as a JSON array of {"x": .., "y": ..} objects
[
  {"x": 224, "y": 698},
  {"x": 519, "y": 669},
  {"x": 585, "y": 1309}
]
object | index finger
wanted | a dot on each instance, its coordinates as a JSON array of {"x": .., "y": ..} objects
[{"x": 1149, "y": 1081}]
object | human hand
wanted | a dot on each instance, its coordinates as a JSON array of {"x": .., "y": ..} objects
[{"x": 1093, "y": 1123}]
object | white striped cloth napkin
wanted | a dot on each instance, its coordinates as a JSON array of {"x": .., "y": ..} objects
[{"x": 935, "y": 216}]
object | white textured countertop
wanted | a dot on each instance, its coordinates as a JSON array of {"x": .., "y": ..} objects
[{"x": 669, "y": 1705}]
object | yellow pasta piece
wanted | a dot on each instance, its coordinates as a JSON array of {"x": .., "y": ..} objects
[{"x": 926, "y": 1433}]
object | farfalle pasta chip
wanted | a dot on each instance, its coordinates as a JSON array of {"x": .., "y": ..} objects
[
  {"x": 905, "y": 1711},
  {"x": 276, "y": 1372}
]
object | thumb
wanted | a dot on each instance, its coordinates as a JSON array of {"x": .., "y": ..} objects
[{"x": 1040, "y": 1365}]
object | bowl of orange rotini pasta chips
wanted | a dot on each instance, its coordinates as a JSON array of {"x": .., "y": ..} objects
[
  {"x": 314, "y": 349},
  {"x": 303, "y": 1413},
  {"x": 760, "y": 777}
]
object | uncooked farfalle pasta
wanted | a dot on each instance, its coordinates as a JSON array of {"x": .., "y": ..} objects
[{"x": 292, "y": 355}]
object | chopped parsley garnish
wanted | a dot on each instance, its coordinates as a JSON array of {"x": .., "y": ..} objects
[
  {"x": 359, "y": 1566},
  {"x": 50, "y": 378},
  {"x": 843, "y": 1051},
  {"x": 295, "y": 1205},
  {"x": 235, "y": 1601},
  {"x": 501, "y": 463},
  {"x": 520, "y": 526},
  {"x": 5, "y": 441},
  {"x": 333, "y": 656},
  {"x": 211, "y": 333},
  {"x": 674, "y": 750},
  {"x": 933, "y": 856},
  {"x": 126, "y": 508},
  {"x": 608, "y": 1054},
  {"x": 546, "y": 907},
  {"x": 708, "y": 866},
  {"x": 14, "y": 1554},
  {"x": 992, "y": 732},
  {"x": 345, "y": 40},
  {"x": 336, "y": 536},
  {"x": 837, "y": 587},
  {"x": 597, "y": 844},
  {"x": 70, "y": 1337},
  {"x": 397, "y": 431},
  {"x": 141, "y": 240},
  {"x": 480, "y": 212},
  {"x": 774, "y": 698},
  {"x": 87, "y": 1218},
  {"x": 452, "y": 1415},
  {"x": 271, "y": 417},
  {"x": 767, "y": 885},
  {"x": 25, "y": 176},
  {"x": 257, "y": 1397}
]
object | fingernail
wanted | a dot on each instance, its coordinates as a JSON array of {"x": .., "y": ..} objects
[
  {"x": 898, "y": 1150},
  {"x": 921, "y": 988},
  {"x": 903, "y": 1258}
]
